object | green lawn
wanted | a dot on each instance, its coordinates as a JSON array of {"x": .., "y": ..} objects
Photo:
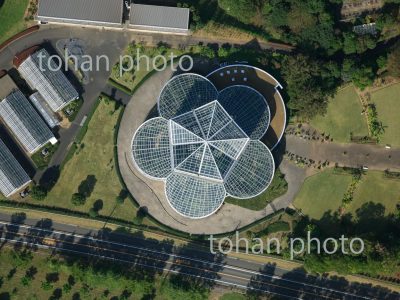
[
  {"x": 324, "y": 191},
  {"x": 12, "y": 18},
  {"x": 387, "y": 103},
  {"x": 41, "y": 161},
  {"x": 374, "y": 188},
  {"x": 277, "y": 188},
  {"x": 343, "y": 117},
  {"x": 321, "y": 193},
  {"x": 94, "y": 160},
  {"x": 233, "y": 296},
  {"x": 139, "y": 69}
]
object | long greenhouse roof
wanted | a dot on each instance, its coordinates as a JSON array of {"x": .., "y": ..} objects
[
  {"x": 24, "y": 122},
  {"x": 43, "y": 75},
  {"x": 12, "y": 175}
]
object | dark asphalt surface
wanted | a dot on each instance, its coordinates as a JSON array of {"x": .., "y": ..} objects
[{"x": 162, "y": 256}]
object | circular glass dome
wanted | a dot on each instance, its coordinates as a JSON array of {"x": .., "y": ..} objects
[{"x": 205, "y": 146}]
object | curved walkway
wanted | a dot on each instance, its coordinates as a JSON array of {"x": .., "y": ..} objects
[{"x": 150, "y": 193}]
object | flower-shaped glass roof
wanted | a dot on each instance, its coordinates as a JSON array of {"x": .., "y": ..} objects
[{"x": 205, "y": 144}]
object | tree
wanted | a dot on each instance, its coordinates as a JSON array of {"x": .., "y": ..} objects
[
  {"x": 78, "y": 199},
  {"x": 308, "y": 23},
  {"x": 87, "y": 186},
  {"x": 93, "y": 213},
  {"x": 26, "y": 281},
  {"x": 382, "y": 62},
  {"x": 394, "y": 61},
  {"x": 38, "y": 193},
  {"x": 123, "y": 194},
  {"x": 67, "y": 288},
  {"x": 361, "y": 75},
  {"x": 243, "y": 10},
  {"x": 46, "y": 286},
  {"x": 140, "y": 215},
  {"x": 119, "y": 199},
  {"x": 309, "y": 84}
]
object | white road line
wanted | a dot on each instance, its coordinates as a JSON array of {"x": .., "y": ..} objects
[
  {"x": 192, "y": 259},
  {"x": 144, "y": 265}
]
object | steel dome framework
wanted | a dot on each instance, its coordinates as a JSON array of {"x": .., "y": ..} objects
[{"x": 205, "y": 145}]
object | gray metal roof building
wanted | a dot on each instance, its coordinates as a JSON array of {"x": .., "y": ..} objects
[
  {"x": 24, "y": 122},
  {"x": 106, "y": 13},
  {"x": 159, "y": 18},
  {"x": 54, "y": 86},
  {"x": 12, "y": 176},
  {"x": 45, "y": 111}
]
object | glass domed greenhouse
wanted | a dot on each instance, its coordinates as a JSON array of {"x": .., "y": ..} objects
[{"x": 205, "y": 144}]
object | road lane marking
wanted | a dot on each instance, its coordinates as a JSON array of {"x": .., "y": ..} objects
[{"x": 184, "y": 257}]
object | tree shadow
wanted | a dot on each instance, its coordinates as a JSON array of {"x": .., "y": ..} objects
[
  {"x": 87, "y": 186},
  {"x": 194, "y": 269},
  {"x": 10, "y": 231},
  {"x": 50, "y": 177}
]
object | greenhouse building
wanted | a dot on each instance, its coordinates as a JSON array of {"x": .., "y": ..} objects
[
  {"x": 12, "y": 176},
  {"x": 205, "y": 145},
  {"x": 44, "y": 76},
  {"x": 25, "y": 123}
]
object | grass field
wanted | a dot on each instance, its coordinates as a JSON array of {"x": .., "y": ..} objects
[
  {"x": 324, "y": 191},
  {"x": 277, "y": 188},
  {"x": 94, "y": 160},
  {"x": 343, "y": 116},
  {"x": 374, "y": 188},
  {"x": 233, "y": 296},
  {"x": 12, "y": 18},
  {"x": 388, "y": 108},
  {"x": 321, "y": 193}
]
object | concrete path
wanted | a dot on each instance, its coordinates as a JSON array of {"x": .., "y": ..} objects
[{"x": 375, "y": 157}]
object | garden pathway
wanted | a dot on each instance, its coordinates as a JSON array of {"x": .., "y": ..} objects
[{"x": 375, "y": 157}]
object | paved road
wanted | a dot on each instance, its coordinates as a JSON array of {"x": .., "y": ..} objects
[
  {"x": 161, "y": 256},
  {"x": 350, "y": 155}
]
